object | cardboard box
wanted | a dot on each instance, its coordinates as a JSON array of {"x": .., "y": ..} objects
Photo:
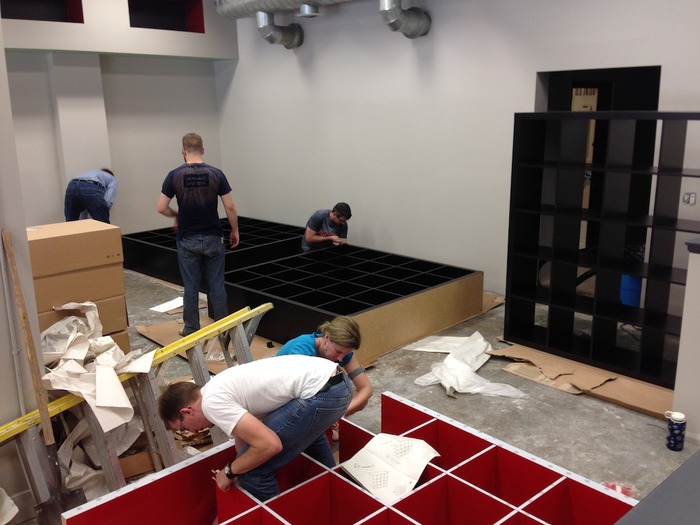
[
  {"x": 136, "y": 464},
  {"x": 122, "y": 340},
  {"x": 69, "y": 246},
  {"x": 92, "y": 284},
  {"x": 112, "y": 314}
]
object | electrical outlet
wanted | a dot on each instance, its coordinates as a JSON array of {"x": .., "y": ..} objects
[{"x": 689, "y": 198}]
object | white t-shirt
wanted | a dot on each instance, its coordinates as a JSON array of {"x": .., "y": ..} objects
[{"x": 262, "y": 386}]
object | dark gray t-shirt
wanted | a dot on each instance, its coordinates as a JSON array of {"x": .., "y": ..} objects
[{"x": 320, "y": 222}]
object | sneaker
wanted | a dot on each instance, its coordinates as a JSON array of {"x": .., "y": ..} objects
[{"x": 181, "y": 332}]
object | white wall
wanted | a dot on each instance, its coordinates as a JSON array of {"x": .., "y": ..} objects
[
  {"x": 57, "y": 84},
  {"x": 15, "y": 381},
  {"x": 106, "y": 29},
  {"x": 146, "y": 128},
  {"x": 685, "y": 394},
  {"x": 104, "y": 94},
  {"x": 417, "y": 134},
  {"x": 414, "y": 134}
]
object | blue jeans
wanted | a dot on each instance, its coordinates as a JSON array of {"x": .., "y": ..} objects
[
  {"x": 301, "y": 426},
  {"x": 197, "y": 256},
  {"x": 84, "y": 196}
]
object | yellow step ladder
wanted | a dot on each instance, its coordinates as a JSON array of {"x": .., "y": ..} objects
[{"x": 234, "y": 334}]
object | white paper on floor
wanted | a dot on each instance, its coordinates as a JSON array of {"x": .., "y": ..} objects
[
  {"x": 457, "y": 373},
  {"x": 88, "y": 364},
  {"x": 166, "y": 307},
  {"x": 443, "y": 344}
]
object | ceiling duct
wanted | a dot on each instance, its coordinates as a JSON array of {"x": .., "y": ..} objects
[
  {"x": 290, "y": 36},
  {"x": 249, "y": 8},
  {"x": 412, "y": 23},
  {"x": 308, "y": 11}
]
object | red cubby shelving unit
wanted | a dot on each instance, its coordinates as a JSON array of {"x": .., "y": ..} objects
[{"x": 476, "y": 479}]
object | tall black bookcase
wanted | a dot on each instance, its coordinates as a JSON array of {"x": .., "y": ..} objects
[{"x": 583, "y": 234}]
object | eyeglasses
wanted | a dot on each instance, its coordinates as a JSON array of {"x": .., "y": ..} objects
[{"x": 340, "y": 218}]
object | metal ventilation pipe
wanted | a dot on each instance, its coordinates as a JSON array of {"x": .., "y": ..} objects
[
  {"x": 249, "y": 8},
  {"x": 308, "y": 11},
  {"x": 290, "y": 36},
  {"x": 413, "y": 22}
]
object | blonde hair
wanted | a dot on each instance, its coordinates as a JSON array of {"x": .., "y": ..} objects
[{"x": 343, "y": 331}]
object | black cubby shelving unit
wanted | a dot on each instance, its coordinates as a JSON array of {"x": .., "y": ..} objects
[
  {"x": 614, "y": 219},
  {"x": 379, "y": 289}
]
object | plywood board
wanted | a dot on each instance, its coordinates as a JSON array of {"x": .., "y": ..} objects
[
  {"x": 393, "y": 325},
  {"x": 577, "y": 378}
]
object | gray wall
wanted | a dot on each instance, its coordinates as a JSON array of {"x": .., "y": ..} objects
[{"x": 415, "y": 134}]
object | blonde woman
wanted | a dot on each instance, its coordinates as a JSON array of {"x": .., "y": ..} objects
[{"x": 336, "y": 340}]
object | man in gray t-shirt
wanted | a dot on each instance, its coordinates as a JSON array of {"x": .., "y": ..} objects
[{"x": 327, "y": 228}]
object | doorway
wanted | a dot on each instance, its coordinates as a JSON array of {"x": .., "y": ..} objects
[{"x": 619, "y": 89}]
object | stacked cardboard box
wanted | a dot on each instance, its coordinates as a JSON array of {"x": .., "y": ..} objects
[{"x": 77, "y": 262}]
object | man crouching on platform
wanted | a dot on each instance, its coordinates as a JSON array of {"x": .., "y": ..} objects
[{"x": 274, "y": 409}]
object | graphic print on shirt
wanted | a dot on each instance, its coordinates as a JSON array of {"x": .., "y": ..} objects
[{"x": 195, "y": 180}]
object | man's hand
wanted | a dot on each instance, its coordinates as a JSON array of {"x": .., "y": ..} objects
[
  {"x": 222, "y": 481},
  {"x": 234, "y": 238}
]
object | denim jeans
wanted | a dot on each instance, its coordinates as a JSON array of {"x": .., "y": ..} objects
[
  {"x": 301, "y": 426},
  {"x": 197, "y": 256},
  {"x": 86, "y": 196}
]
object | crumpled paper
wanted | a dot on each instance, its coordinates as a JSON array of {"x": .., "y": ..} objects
[
  {"x": 457, "y": 373},
  {"x": 69, "y": 337},
  {"x": 75, "y": 460},
  {"x": 8, "y": 509},
  {"x": 88, "y": 364}
]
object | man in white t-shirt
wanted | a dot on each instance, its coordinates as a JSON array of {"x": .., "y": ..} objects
[{"x": 274, "y": 408}]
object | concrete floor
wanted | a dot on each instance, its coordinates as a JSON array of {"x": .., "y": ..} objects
[{"x": 592, "y": 438}]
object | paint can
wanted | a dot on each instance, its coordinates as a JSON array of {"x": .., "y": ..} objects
[{"x": 676, "y": 430}]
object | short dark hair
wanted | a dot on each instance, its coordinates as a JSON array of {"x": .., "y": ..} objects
[
  {"x": 175, "y": 397},
  {"x": 342, "y": 209},
  {"x": 192, "y": 143}
]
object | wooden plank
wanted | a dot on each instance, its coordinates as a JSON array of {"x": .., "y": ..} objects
[{"x": 34, "y": 366}]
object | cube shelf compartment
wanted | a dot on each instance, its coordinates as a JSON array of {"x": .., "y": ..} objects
[
  {"x": 154, "y": 252},
  {"x": 476, "y": 479},
  {"x": 593, "y": 248},
  {"x": 395, "y": 299}
]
